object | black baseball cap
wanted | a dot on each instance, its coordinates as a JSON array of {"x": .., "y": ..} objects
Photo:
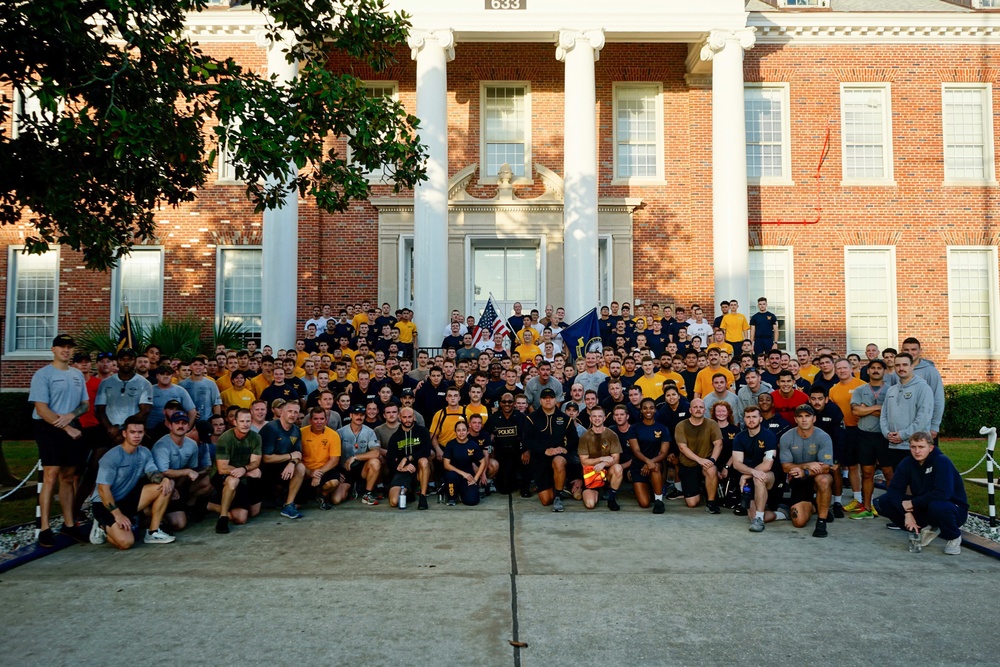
[
  {"x": 407, "y": 392},
  {"x": 805, "y": 408},
  {"x": 547, "y": 393},
  {"x": 179, "y": 416},
  {"x": 357, "y": 409},
  {"x": 62, "y": 340},
  {"x": 80, "y": 356},
  {"x": 126, "y": 352},
  {"x": 173, "y": 403}
]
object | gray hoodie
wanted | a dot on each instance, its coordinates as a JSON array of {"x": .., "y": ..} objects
[
  {"x": 907, "y": 409},
  {"x": 928, "y": 372},
  {"x": 748, "y": 397}
]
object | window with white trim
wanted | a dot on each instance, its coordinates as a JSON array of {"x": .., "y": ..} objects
[
  {"x": 32, "y": 300},
  {"x": 986, "y": 4},
  {"x": 967, "y": 120},
  {"x": 866, "y": 133},
  {"x": 870, "y": 290},
  {"x": 771, "y": 277},
  {"x": 768, "y": 133},
  {"x": 638, "y": 133},
  {"x": 605, "y": 270},
  {"x": 972, "y": 299},
  {"x": 505, "y": 122},
  {"x": 240, "y": 287},
  {"x": 227, "y": 156},
  {"x": 377, "y": 89},
  {"x": 138, "y": 284}
]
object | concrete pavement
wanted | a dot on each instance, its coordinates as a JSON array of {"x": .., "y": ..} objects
[{"x": 375, "y": 586}]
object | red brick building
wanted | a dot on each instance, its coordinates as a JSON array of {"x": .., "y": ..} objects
[{"x": 892, "y": 234}]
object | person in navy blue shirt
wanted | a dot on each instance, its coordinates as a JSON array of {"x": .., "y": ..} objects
[
  {"x": 650, "y": 444},
  {"x": 465, "y": 467}
]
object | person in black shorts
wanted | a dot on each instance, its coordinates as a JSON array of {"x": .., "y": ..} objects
[
  {"x": 754, "y": 451},
  {"x": 650, "y": 443},
  {"x": 237, "y": 481},
  {"x": 59, "y": 396},
  {"x": 551, "y": 436},
  {"x": 700, "y": 443},
  {"x": 408, "y": 454},
  {"x": 507, "y": 427},
  {"x": 807, "y": 458},
  {"x": 465, "y": 467}
]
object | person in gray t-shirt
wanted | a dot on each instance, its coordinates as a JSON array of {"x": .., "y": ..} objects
[
  {"x": 179, "y": 458},
  {"x": 806, "y": 455},
  {"x": 123, "y": 395}
]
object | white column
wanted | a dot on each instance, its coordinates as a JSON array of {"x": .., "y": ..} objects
[
  {"x": 579, "y": 50},
  {"x": 729, "y": 167},
  {"x": 280, "y": 256},
  {"x": 432, "y": 50}
]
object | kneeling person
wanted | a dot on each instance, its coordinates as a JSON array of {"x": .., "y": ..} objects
[
  {"x": 178, "y": 458},
  {"x": 321, "y": 456},
  {"x": 807, "y": 456},
  {"x": 122, "y": 493},
  {"x": 237, "y": 479},
  {"x": 753, "y": 457},
  {"x": 601, "y": 449},
  {"x": 408, "y": 454},
  {"x": 700, "y": 443},
  {"x": 465, "y": 467},
  {"x": 281, "y": 445}
]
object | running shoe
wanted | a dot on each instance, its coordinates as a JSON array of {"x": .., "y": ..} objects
[
  {"x": 451, "y": 502},
  {"x": 712, "y": 507},
  {"x": 838, "y": 510},
  {"x": 863, "y": 513},
  {"x": 820, "y": 530},
  {"x": 928, "y": 534},
  {"x": 74, "y": 532},
  {"x": 324, "y": 504},
  {"x": 757, "y": 525},
  {"x": 740, "y": 511},
  {"x": 953, "y": 547},
  {"x": 369, "y": 499},
  {"x": 557, "y": 505},
  {"x": 46, "y": 538},
  {"x": 658, "y": 507},
  {"x": 222, "y": 525},
  {"x": 289, "y": 512},
  {"x": 853, "y": 506},
  {"x": 158, "y": 537},
  {"x": 422, "y": 502},
  {"x": 892, "y": 526},
  {"x": 613, "y": 504},
  {"x": 97, "y": 534}
]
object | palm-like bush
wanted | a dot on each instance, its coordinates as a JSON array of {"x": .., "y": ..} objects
[{"x": 181, "y": 337}]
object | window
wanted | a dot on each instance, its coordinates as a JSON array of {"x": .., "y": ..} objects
[
  {"x": 239, "y": 292},
  {"x": 771, "y": 278},
  {"x": 870, "y": 277},
  {"x": 509, "y": 270},
  {"x": 137, "y": 282},
  {"x": 972, "y": 299},
  {"x": 867, "y": 143},
  {"x": 405, "y": 298},
  {"x": 227, "y": 157},
  {"x": 506, "y": 130},
  {"x": 986, "y": 4},
  {"x": 968, "y": 133},
  {"x": 768, "y": 133},
  {"x": 605, "y": 270},
  {"x": 376, "y": 89},
  {"x": 638, "y": 132},
  {"x": 26, "y": 105},
  {"x": 32, "y": 300}
]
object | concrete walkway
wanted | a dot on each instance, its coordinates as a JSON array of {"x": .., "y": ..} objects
[{"x": 374, "y": 586}]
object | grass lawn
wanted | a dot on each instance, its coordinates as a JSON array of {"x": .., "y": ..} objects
[{"x": 21, "y": 456}]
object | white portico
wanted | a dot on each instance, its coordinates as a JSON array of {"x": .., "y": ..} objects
[{"x": 442, "y": 276}]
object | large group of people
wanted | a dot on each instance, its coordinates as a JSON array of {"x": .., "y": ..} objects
[{"x": 669, "y": 408}]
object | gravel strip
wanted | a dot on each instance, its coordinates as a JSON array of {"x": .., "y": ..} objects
[
  {"x": 981, "y": 527},
  {"x": 26, "y": 535}
]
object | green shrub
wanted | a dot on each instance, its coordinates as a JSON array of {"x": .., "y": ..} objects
[
  {"x": 967, "y": 407},
  {"x": 181, "y": 337},
  {"x": 16, "y": 411}
]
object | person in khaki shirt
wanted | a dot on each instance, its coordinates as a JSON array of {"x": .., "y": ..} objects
[
  {"x": 700, "y": 443},
  {"x": 601, "y": 448}
]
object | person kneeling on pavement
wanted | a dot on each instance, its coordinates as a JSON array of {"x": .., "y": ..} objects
[
  {"x": 465, "y": 467},
  {"x": 121, "y": 494},
  {"x": 600, "y": 450},
  {"x": 936, "y": 504},
  {"x": 179, "y": 459},
  {"x": 806, "y": 455}
]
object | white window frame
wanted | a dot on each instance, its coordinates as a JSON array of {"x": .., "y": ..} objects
[
  {"x": 220, "y": 300},
  {"x": 226, "y": 170},
  {"x": 405, "y": 288},
  {"x": 14, "y": 255},
  {"x": 986, "y": 4},
  {"x": 24, "y": 107},
  {"x": 989, "y": 168},
  {"x": 993, "y": 351},
  {"x": 893, "y": 323},
  {"x": 658, "y": 178},
  {"x": 377, "y": 176},
  {"x": 786, "y": 136},
  {"x": 606, "y": 264},
  {"x": 473, "y": 242},
  {"x": 483, "y": 86},
  {"x": 751, "y": 307},
  {"x": 117, "y": 308},
  {"x": 887, "y": 178}
]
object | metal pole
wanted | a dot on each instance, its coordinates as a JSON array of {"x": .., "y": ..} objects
[{"x": 991, "y": 443}]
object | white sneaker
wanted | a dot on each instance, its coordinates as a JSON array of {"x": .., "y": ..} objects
[
  {"x": 97, "y": 534},
  {"x": 158, "y": 537},
  {"x": 927, "y": 535},
  {"x": 953, "y": 547}
]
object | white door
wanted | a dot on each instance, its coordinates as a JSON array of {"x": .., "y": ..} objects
[{"x": 509, "y": 272}]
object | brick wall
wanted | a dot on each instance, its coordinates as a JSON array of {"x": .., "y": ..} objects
[{"x": 673, "y": 260}]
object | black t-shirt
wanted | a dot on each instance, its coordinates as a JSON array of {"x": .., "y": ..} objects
[
  {"x": 776, "y": 425},
  {"x": 657, "y": 342},
  {"x": 273, "y": 391},
  {"x": 671, "y": 418},
  {"x": 383, "y": 320},
  {"x": 763, "y": 325},
  {"x": 755, "y": 447},
  {"x": 452, "y": 342},
  {"x": 728, "y": 435},
  {"x": 623, "y": 438},
  {"x": 770, "y": 378},
  {"x": 690, "y": 377},
  {"x": 650, "y": 437},
  {"x": 507, "y": 432}
]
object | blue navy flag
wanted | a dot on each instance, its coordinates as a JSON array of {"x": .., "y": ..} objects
[
  {"x": 490, "y": 321},
  {"x": 126, "y": 336},
  {"x": 583, "y": 336}
]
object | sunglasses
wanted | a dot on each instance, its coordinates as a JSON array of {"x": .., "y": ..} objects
[{"x": 105, "y": 355}]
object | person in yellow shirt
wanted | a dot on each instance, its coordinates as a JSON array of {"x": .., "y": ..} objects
[
  {"x": 667, "y": 372},
  {"x": 238, "y": 394},
  {"x": 841, "y": 394},
  {"x": 443, "y": 423},
  {"x": 528, "y": 350},
  {"x": 266, "y": 377},
  {"x": 321, "y": 450},
  {"x": 300, "y": 352},
  {"x": 651, "y": 382},
  {"x": 735, "y": 326},
  {"x": 703, "y": 383},
  {"x": 807, "y": 370},
  {"x": 407, "y": 329},
  {"x": 366, "y": 315},
  {"x": 719, "y": 342},
  {"x": 475, "y": 405},
  {"x": 225, "y": 381}
]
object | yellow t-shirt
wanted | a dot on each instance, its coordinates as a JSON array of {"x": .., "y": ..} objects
[
  {"x": 359, "y": 319},
  {"x": 809, "y": 372},
  {"x": 528, "y": 352},
  {"x": 319, "y": 448},
  {"x": 406, "y": 331},
  {"x": 735, "y": 325},
  {"x": 841, "y": 395},
  {"x": 259, "y": 384},
  {"x": 651, "y": 387},
  {"x": 725, "y": 347},
  {"x": 480, "y": 410},
  {"x": 443, "y": 424},
  {"x": 239, "y": 397},
  {"x": 678, "y": 380},
  {"x": 703, "y": 383},
  {"x": 224, "y": 382},
  {"x": 301, "y": 357}
]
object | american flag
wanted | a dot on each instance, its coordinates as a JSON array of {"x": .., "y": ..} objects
[{"x": 490, "y": 321}]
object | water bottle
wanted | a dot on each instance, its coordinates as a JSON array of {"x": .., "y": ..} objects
[
  {"x": 914, "y": 545},
  {"x": 747, "y": 495},
  {"x": 402, "y": 498}
]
